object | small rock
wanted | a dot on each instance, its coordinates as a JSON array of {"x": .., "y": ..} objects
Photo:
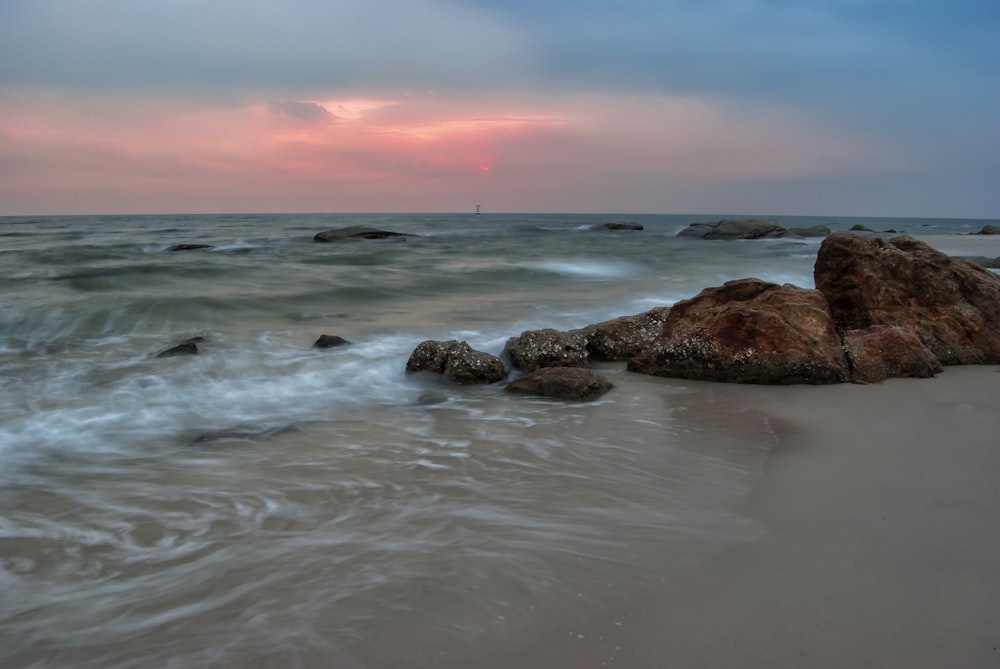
[
  {"x": 565, "y": 383},
  {"x": 330, "y": 341}
]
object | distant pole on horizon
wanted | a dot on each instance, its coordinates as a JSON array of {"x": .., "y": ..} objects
[{"x": 477, "y": 209}]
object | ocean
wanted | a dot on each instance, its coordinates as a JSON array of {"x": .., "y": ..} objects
[{"x": 268, "y": 503}]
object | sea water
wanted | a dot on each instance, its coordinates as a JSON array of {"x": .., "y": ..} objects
[{"x": 269, "y": 503}]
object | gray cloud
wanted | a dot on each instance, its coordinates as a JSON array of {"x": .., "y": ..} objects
[{"x": 304, "y": 111}]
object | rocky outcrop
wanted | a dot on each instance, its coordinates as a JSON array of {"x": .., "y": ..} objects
[
  {"x": 989, "y": 230},
  {"x": 566, "y": 383},
  {"x": 883, "y": 352},
  {"x": 952, "y": 306},
  {"x": 618, "y": 225},
  {"x": 748, "y": 331},
  {"x": 457, "y": 362},
  {"x": 356, "y": 232},
  {"x": 330, "y": 341},
  {"x": 621, "y": 338},
  {"x": 534, "y": 349},
  {"x": 747, "y": 228}
]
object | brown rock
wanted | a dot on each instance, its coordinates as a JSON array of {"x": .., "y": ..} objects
[
  {"x": 619, "y": 339},
  {"x": 565, "y": 383},
  {"x": 748, "y": 331},
  {"x": 989, "y": 230},
  {"x": 534, "y": 349},
  {"x": 881, "y": 352},
  {"x": 457, "y": 361},
  {"x": 952, "y": 305}
]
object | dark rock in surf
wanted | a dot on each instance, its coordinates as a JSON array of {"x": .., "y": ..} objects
[
  {"x": 241, "y": 433},
  {"x": 186, "y": 347},
  {"x": 356, "y": 232},
  {"x": 989, "y": 230},
  {"x": 565, "y": 383},
  {"x": 748, "y": 331},
  {"x": 747, "y": 228},
  {"x": 953, "y": 306},
  {"x": 618, "y": 225},
  {"x": 457, "y": 362},
  {"x": 188, "y": 247},
  {"x": 883, "y": 352},
  {"x": 534, "y": 349},
  {"x": 619, "y": 339},
  {"x": 330, "y": 341}
]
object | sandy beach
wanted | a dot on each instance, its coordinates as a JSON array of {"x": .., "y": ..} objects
[{"x": 880, "y": 550}]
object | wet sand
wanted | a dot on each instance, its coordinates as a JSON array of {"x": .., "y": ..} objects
[{"x": 881, "y": 547}]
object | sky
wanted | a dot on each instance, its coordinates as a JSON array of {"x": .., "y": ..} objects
[{"x": 826, "y": 107}]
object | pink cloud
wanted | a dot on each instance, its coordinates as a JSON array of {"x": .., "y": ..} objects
[{"x": 605, "y": 153}]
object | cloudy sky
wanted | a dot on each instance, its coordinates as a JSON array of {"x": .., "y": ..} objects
[{"x": 826, "y": 107}]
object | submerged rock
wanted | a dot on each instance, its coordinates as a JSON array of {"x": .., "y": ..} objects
[
  {"x": 618, "y": 225},
  {"x": 186, "y": 347},
  {"x": 565, "y": 383},
  {"x": 952, "y": 306},
  {"x": 188, "y": 247},
  {"x": 330, "y": 341},
  {"x": 457, "y": 362},
  {"x": 355, "y": 232},
  {"x": 534, "y": 349},
  {"x": 748, "y": 331}
]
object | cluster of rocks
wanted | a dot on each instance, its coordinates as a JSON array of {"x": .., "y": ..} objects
[
  {"x": 749, "y": 228},
  {"x": 880, "y": 309}
]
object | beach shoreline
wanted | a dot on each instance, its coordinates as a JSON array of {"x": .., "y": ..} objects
[{"x": 879, "y": 504}]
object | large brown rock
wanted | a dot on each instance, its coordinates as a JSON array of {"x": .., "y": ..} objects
[
  {"x": 882, "y": 352},
  {"x": 534, "y": 349},
  {"x": 953, "y": 306},
  {"x": 748, "y": 331},
  {"x": 456, "y": 361},
  {"x": 566, "y": 383},
  {"x": 621, "y": 338}
]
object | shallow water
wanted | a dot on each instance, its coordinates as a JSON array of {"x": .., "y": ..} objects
[{"x": 265, "y": 503}]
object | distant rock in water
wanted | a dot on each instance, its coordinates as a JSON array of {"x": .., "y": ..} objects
[
  {"x": 356, "y": 232},
  {"x": 565, "y": 383},
  {"x": 618, "y": 225},
  {"x": 188, "y": 247},
  {"x": 989, "y": 230},
  {"x": 747, "y": 228},
  {"x": 330, "y": 341}
]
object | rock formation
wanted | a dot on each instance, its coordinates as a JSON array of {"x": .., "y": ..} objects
[
  {"x": 534, "y": 349},
  {"x": 748, "y": 331},
  {"x": 457, "y": 361},
  {"x": 952, "y": 306}
]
